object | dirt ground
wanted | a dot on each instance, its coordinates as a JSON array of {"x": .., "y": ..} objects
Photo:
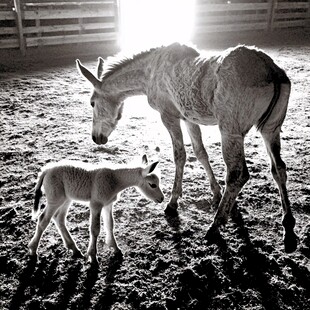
[{"x": 168, "y": 263}]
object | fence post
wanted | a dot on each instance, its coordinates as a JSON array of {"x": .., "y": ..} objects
[
  {"x": 19, "y": 23},
  {"x": 271, "y": 13},
  {"x": 308, "y": 16},
  {"x": 117, "y": 21}
]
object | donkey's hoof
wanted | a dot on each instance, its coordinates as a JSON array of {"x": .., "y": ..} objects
[
  {"x": 77, "y": 254},
  {"x": 212, "y": 234},
  {"x": 290, "y": 242},
  {"x": 216, "y": 201},
  {"x": 220, "y": 221},
  {"x": 172, "y": 209}
]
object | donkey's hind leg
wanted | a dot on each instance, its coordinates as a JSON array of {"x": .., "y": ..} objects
[
  {"x": 236, "y": 175},
  {"x": 278, "y": 169},
  {"x": 43, "y": 221},
  {"x": 60, "y": 221},
  {"x": 202, "y": 155}
]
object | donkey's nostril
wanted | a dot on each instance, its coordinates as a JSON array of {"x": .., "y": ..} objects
[
  {"x": 103, "y": 139},
  {"x": 160, "y": 200},
  {"x": 94, "y": 139}
]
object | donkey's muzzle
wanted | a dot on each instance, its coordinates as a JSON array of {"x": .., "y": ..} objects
[{"x": 101, "y": 139}]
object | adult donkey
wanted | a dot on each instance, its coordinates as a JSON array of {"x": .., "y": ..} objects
[{"x": 235, "y": 90}]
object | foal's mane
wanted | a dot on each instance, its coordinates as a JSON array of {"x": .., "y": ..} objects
[{"x": 119, "y": 61}]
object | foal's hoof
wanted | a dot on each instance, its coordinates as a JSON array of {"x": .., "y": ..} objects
[
  {"x": 32, "y": 253},
  {"x": 290, "y": 242},
  {"x": 33, "y": 258},
  {"x": 172, "y": 209},
  {"x": 118, "y": 255}
]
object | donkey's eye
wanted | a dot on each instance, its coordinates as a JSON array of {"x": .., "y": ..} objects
[
  {"x": 153, "y": 185},
  {"x": 92, "y": 103}
]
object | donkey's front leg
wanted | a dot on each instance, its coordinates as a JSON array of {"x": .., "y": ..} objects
[
  {"x": 95, "y": 212},
  {"x": 174, "y": 128},
  {"x": 202, "y": 155}
]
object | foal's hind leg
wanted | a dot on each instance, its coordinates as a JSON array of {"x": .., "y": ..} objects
[
  {"x": 43, "y": 221},
  {"x": 278, "y": 169},
  {"x": 202, "y": 156},
  {"x": 174, "y": 128},
  {"x": 60, "y": 221},
  {"x": 95, "y": 213},
  {"x": 236, "y": 175}
]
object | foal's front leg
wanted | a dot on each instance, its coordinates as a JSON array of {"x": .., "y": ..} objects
[
  {"x": 174, "y": 128},
  {"x": 95, "y": 212},
  {"x": 109, "y": 228}
]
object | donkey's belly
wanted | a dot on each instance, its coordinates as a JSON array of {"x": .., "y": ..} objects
[{"x": 195, "y": 113}]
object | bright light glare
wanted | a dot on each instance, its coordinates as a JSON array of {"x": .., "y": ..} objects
[{"x": 151, "y": 23}]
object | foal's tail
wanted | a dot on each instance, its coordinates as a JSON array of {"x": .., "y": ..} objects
[
  {"x": 282, "y": 87},
  {"x": 37, "y": 195}
]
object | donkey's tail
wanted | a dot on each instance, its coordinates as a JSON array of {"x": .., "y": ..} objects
[
  {"x": 37, "y": 195},
  {"x": 280, "y": 80}
]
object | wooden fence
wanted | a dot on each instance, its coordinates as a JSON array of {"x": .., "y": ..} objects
[
  {"x": 265, "y": 15},
  {"x": 28, "y": 23}
]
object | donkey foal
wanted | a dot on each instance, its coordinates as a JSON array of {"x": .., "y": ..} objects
[{"x": 64, "y": 183}]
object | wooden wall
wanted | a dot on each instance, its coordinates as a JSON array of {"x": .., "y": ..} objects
[{"x": 29, "y": 23}]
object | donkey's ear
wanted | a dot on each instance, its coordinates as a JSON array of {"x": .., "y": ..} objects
[
  {"x": 149, "y": 169},
  {"x": 100, "y": 67},
  {"x": 88, "y": 75},
  {"x": 144, "y": 160}
]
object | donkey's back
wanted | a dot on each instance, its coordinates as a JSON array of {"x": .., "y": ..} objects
[{"x": 237, "y": 89}]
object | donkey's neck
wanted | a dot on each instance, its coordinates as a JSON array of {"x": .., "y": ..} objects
[{"x": 128, "y": 80}]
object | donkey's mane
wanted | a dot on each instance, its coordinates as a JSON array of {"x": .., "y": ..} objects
[{"x": 114, "y": 63}]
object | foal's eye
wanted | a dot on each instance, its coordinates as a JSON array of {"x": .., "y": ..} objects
[
  {"x": 92, "y": 103},
  {"x": 153, "y": 185}
]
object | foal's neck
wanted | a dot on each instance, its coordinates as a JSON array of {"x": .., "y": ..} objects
[{"x": 127, "y": 177}]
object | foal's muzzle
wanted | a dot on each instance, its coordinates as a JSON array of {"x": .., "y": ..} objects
[{"x": 101, "y": 139}]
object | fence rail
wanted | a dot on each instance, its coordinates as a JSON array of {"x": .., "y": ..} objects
[
  {"x": 25, "y": 23},
  {"x": 53, "y": 23},
  {"x": 268, "y": 15}
]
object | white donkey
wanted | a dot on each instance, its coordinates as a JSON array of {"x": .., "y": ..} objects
[
  {"x": 64, "y": 183},
  {"x": 236, "y": 90}
]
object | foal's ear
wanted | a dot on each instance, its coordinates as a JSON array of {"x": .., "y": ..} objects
[
  {"x": 88, "y": 75},
  {"x": 144, "y": 160},
  {"x": 100, "y": 67},
  {"x": 149, "y": 169}
]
